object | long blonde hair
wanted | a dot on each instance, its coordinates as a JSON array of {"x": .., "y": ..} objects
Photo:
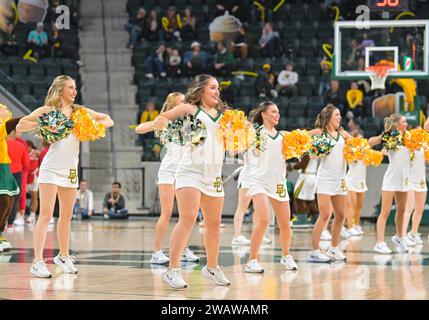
[
  {"x": 53, "y": 98},
  {"x": 196, "y": 89},
  {"x": 169, "y": 101},
  {"x": 391, "y": 122}
]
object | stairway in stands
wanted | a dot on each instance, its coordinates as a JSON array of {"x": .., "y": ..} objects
[{"x": 107, "y": 77}]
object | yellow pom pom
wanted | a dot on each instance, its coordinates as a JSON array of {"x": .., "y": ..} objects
[
  {"x": 355, "y": 149},
  {"x": 296, "y": 143},
  {"x": 85, "y": 127},
  {"x": 234, "y": 131},
  {"x": 373, "y": 157},
  {"x": 415, "y": 138}
]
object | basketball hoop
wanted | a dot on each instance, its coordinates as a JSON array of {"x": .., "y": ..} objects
[{"x": 378, "y": 74}]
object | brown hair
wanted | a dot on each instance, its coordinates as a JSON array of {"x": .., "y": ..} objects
[
  {"x": 196, "y": 89},
  {"x": 256, "y": 114},
  {"x": 391, "y": 122},
  {"x": 324, "y": 116},
  {"x": 169, "y": 101}
]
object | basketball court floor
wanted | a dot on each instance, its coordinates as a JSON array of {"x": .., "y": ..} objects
[{"x": 113, "y": 258}]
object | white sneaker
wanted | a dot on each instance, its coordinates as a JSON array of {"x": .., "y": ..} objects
[
  {"x": 163, "y": 74},
  {"x": 266, "y": 240},
  {"x": 318, "y": 256},
  {"x": 253, "y": 266},
  {"x": 402, "y": 247},
  {"x": 274, "y": 93},
  {"x": 326, "y": 236},
  {"x": 216, "y": 275},
  {"x": 415, "y": 237},
  {"x": 240, "y": 241},
  {"x": 344, "y": 233},
  {"x": 40, "y": 270},
  {"x": 149, "y": 75},
  {"x": 189, "y": 256},
  {"x": 52, "y": 221},
  {"x": 359, "y": 229},
  {"x": 31, "y": 218},
  {"x": 407, "y": 242},
  {"x": 19, "y": 221},
  {"x": 174, "y": 279},
  {"x": 159, "y": 258},
  {"x": 381, "y": 247},
  {"x": 288, "y": 262},
  {"x": 354, "y": 232},
  {"x": 5, "y": 244},
  {"x": 336, "y": 254},
  {"x": 66, "y": 263}
]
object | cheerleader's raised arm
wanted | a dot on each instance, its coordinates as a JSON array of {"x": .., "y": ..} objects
[
  {"x": 30, "y": 122},
  {"x": 101, "y": 118},
  {"x": 426, "y": 125},
  {"x": 373, "y": 141}
]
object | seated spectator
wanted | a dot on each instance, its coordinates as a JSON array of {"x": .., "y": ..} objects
[
  {"x": 152, "y": 33},
  {"x": 38, "y": 41},
  {"x": 174, "y": 63},
  {"x": 195, "y": 61},
  {"x": 226, "y": 93},
  {"x": 325, "y": 80},
  {"x": 170, "y": 25},
  {"x": 135, "y": 27},
  {"x": 8, "y": 45},
  {"x": 352, "y": 55},
  {"x": 269, "y": 41},
  {"x": 334, "y": 96},
  {"x": 56, "y": 40},
  {"x": 287, "y": 81},
  {"x": 366, "y": 42},
  {"x": 32, "y": 184},
  {"x": 354, "y": 127},
  {"x": 265, "y": 82},
  {"x": 188, "y": 31},
  {"x": 242, "y": 42},
  {"x": 157, "y": 62},
  {"x": 114, "y": 203},
  {"x": 150, "y": 112},
  {"x": 84, "y": 205},
  {"x": 155, "y": 154},
  {"x": 355, "y": 102},
  {"x": 223, "y": 61}
]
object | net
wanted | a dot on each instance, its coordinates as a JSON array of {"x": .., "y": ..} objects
[{"x": 378, "y": 74}]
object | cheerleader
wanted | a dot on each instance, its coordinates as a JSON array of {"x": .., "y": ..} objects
[
  {"x": 8, "y": 186},
  {"x": 57, "y": 175},
  {"x": 305, "y": 188},
  {"x": 416, "y": 196},
  {"x": 356, "y": 188},
  {"x": 331, "y": 185},
  {"x": 395, "y": 185},
  {"x": 165, "y": 182},
  {"x": 268, "y": 185},
  {"x": 198, "y": 181}
]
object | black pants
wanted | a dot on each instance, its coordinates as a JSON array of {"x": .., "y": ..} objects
[{"x": 14, "y": 209}]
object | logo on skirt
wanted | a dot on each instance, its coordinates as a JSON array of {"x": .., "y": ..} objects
[
  {"x": 73, "y": 176},
  {"x": 218, "y": 184},
  {"x": 281, "y": 190}
]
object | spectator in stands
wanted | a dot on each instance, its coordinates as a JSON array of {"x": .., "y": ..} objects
[
  {"x": 56, "y": 40},
  {"x": 363, "y": 84},
  {"x": 174, "y": 63},
  {"x": 32, "y": 184},
  {"x": 38, "y": 41},
  {"x": 223, "y": 61},
  {"x": 152, "y": 33},
  {"x": 155, "y": 154},
  {"x": 355, "y": 101},
  {"x": 269, "y": 41},
  {"x": 334, "y": 96},
  {"x": 226, "y": 93},
  {"x": 84, "y": 205},
  {"x": 287, "y": 81},
  {"x": 135, "y": 26},
  {"x": 242, "y": 42},
  {"x": 170, "y": 25},
  {"x": 114, "y": 203},
  {"x": 366, "y": 42},
  {"x": 189, "y": 26},
  {"x": 354, "y": 127},
  {"x": 157, "y": 62},
  {"x": 195, "y": 61},
  {"x": 352, "y": 55},
  {"x": 150, "y": 112},
  {"x": 8, "y": 44},
  {"x": 325, "y": 80},
  {"x": 265, "y": 82}
]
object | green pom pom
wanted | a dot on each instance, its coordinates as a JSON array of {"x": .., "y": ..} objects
[{"x": 54, "y": 126}]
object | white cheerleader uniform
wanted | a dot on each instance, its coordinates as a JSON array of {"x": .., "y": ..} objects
[
  {"x": 59, "y": 166},
  {"x": 331, "y": 175},
  {"x": 418, "y": 172},
  {"x": 397, "y": 175},
  {"x": 201, "y": 166},
  {"x": 269, "y": 174},
  {"x": 356, "y": 177},
  {"x": 249, "y": 159},
  {"x": 306, "y": 184},
  {"x": 169, "y": 164}
]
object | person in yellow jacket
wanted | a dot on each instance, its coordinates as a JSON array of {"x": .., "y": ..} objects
[
  {"x": 354, "y": 98},
  {"x": 8, "y": 185},
  {"x": 150, "y": 113}
]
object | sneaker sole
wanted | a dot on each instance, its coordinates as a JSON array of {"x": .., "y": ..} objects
[
  {"x": 211, "y": 278},
  {"x": 158, "y": 262},
  {"x": 38, "y": 275},
  {"x": 254, "y": 271},
  {"x": 336, "y": 259},
  {"x": 166, "y": 280},
  {"x": 189, "y": 260},
  {"x": 318, "y": 260},
  {"x": 65, "y": 270}
]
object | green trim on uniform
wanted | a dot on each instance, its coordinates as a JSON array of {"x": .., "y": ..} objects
[
  {"x": 298, "y": 190},
  {"x": 337, "y": 138},
  {"x": 198, "y": 111},
  {"x": 219, "y": 114},
  {"x": 8, "y": 183},
  {"x": 275, "y": 137}
]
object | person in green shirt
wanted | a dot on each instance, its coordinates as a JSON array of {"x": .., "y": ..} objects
[{"x": 223, "y": 61}]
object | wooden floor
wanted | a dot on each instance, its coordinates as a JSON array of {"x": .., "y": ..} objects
[{"x": 113, "y": 258}]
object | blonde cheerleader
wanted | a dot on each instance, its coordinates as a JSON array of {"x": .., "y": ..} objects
[
  {"x": 331, "y": 185},
  {"x": 198, "y": 181},
  {"x": 57, "y": 175},
  {"x": 395, "y": 185},
  {"x": 268, "y": 186}
]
